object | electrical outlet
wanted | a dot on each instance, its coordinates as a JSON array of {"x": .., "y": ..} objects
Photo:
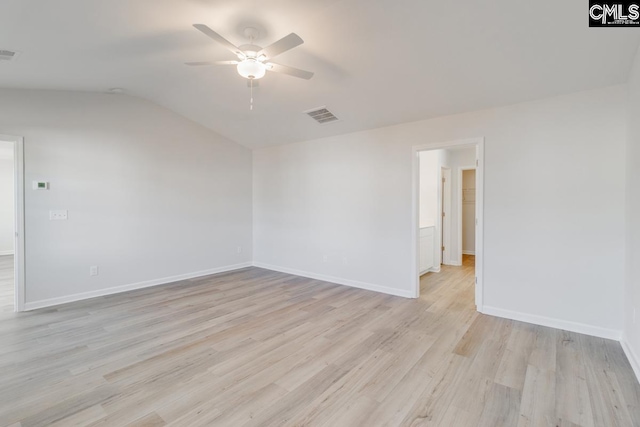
[
  {"x": 93, "y": 270},
  {"x": 239, "y": 250},
  {"x": 325, "y": 258}
]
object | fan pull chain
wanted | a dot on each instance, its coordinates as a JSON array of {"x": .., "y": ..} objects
[{"x": 251, "y": 103}]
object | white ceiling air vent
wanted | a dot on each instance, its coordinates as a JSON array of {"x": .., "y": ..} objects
[
  {"x": 8, "y": 55},
  {"x": 321, "y": 115}
]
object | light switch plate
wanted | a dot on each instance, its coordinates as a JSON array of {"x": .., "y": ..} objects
[{"x": 58, "y": 215}]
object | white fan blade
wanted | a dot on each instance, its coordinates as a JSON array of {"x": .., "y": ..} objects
[
  {"x": 217, "y": 37},
  {"x": 200, "y": 63},
  {"x": 295, "y": 72},
  {"x": 281, "y": 46}
]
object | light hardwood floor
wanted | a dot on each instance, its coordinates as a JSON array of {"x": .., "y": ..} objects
[
  {"x": 6, "y": 283},
  {"x": 259, "y": 348}
]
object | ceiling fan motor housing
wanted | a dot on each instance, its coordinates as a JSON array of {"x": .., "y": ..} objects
[{"x": 250, "y": 50}]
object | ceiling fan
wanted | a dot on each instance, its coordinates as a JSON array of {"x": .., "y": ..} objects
[{"x": 254, "y": 61}]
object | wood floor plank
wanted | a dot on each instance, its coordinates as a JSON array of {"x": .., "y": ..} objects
[
  {"x": 150, "y": 420},
  {"x": 502, "y": 408},
  {"x": 572, "y": 392},
  {"x": 538, "y": 404},
  {"x": 82, "y": 418}
]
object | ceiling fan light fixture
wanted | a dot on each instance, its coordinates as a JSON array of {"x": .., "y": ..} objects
[{"x": 250, "y": 68}]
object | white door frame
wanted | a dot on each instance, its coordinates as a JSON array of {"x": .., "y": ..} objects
[
  {"x": 444, "y": 221},
  {"x": 415, "y": 211},
  {"x": 18, "y": 194},
  {"x": 461, "y": 169}
]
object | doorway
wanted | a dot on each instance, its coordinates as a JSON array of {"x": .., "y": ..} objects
[
  {"x": 453, "y": 157},
  {"x": 467, "y": 219},
  {"x": 12, "y": 295}
]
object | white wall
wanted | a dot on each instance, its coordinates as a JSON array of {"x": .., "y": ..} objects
[
  {"x": 149, "y": 193},
  {"x": 6, "y": 198},
  {"x": 632, "y": 296},
  {"x": 469, "y": 212},
  {"x": 554, "y": 206},
  {"x": 429, "y": 173}
]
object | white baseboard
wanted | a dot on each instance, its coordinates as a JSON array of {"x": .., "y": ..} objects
[
  {"x": 338, "y": 280},
  {"x": 566, "y": 325},
  {"x": 631, "y": 355},
  {"x": 2, "y": 253},
  {"x": 33, "y": 305},
  {"x": 429, "y": 270},
  {"x": 468, "y": 252}
]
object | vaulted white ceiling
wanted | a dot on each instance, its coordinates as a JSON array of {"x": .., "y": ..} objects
[{"x": 377, "y": 62}]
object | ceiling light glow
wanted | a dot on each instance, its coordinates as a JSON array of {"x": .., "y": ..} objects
[{"x": 251, "y": 69}]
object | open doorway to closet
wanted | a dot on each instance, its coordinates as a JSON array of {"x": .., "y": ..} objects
[
  {"x": 448, "y": 210},
  {"x": 467, "y": 219}
]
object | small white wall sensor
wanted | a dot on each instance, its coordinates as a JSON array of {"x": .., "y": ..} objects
[{"x": 40, "y": 185}]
